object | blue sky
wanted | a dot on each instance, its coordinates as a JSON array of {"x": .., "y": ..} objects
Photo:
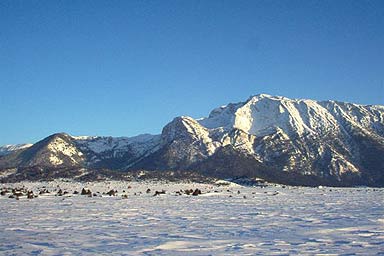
[{"x": 122, "y": 68}]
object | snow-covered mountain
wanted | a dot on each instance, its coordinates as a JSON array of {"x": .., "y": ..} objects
[
  {"x": 8, "y": 149},
  {"x": 119, "y": 152},
  {"x": 63, "y": 150},
  {"x": 264, "y": 114},
  {"x": 275, "y": 138}
]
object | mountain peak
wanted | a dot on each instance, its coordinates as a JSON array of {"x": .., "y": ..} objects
[
  {"x": 273, "y": 137},
  {"x": 61, "y": 135},
  {"x": 265, "y": 96},
  {"x": 263, "y": 114},
  {"x": 182, "y": 127},
  {"x": 261, "y": 95}
]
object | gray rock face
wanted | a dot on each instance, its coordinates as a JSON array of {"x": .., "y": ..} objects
[{"x": 301, "y": 142}]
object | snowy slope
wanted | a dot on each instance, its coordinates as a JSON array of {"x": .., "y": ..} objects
[
  {"x": 57, "y": 150},
  {"x": 265, "y": 114},
  {"x": 140, "y": 144},
  {"x": 7, "y": 149},
  {"x": 100, "y": 150},
  {"x": 326, "y": 139},
  {"x": 286, "y": 140},
  {"x": 222, "y": 221}
]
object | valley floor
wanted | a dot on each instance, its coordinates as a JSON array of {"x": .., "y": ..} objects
[{"x": 223, "y": 220}]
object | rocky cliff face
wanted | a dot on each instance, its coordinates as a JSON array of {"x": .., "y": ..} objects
[{"x": 275, "y": 138}]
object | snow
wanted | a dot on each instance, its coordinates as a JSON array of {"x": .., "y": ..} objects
[
  {"x": 185, "y": 128},
  {"x": 55, "y": 160},
  {"x": 238, "y": 124},
  {"x": 272, "y": 220},
  {"x": 60, "y": 146},
  {"x": 7, "y": 149},
  {"x": 8, "y": 172},
  {"x": 139, "y": 144},
  {"x": 84, "y": 137},
  {"x": 200, "y": 133},
  {"x": 244, "y": 124},
  {"x": 263, "y": 114},
  {"x": 221, "y": 117}
]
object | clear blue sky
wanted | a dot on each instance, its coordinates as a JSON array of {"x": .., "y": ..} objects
[{"x": 122, "y": 68}]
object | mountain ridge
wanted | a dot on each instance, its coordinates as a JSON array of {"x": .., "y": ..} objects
[{"x": 319, "y": 142}]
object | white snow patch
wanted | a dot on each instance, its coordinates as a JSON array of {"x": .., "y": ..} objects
[
  {"x": 59, "y": 146},
  {"x": 139, "y": 145},
  {"x": 7, "y": 149}
]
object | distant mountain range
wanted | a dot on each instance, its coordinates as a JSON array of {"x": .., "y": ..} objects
[{"x": 298, "y": 142}]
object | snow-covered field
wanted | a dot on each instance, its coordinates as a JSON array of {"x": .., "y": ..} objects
[{"x": 224, "y": 220}]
